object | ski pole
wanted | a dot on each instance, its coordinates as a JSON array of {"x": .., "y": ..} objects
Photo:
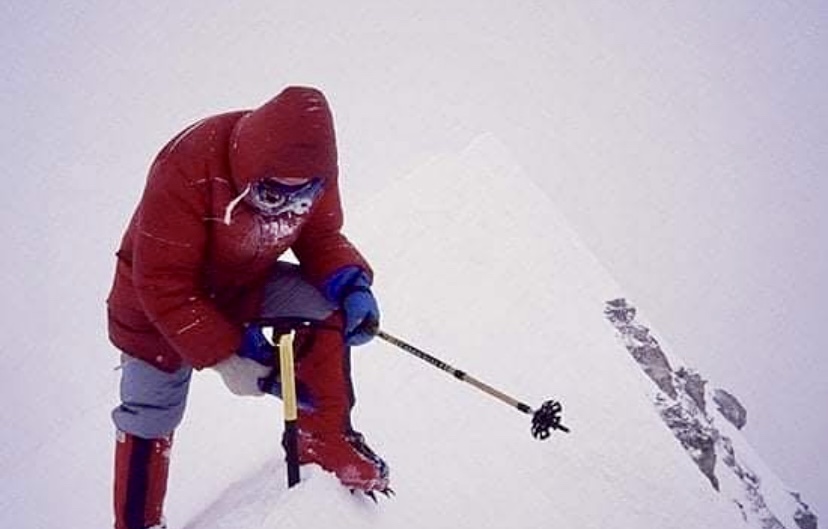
[
  {"x": 547, "y": 417},
  {"x": 288, "y": 379}
]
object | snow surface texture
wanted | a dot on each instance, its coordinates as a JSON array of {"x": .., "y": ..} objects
[{"x": 476, "y": 268}]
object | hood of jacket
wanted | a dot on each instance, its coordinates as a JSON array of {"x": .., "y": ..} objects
[{"x": 292, "y": 135}]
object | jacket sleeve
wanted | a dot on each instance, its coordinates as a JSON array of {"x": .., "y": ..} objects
[
  {"x": 169, "y": 266},
  {"x": 321, "y": 248}
]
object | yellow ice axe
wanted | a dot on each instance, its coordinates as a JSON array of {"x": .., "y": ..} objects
[{"x": 288, "y": 380}]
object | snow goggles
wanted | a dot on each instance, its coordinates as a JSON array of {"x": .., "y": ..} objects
[{"x": 272, "y": 197}]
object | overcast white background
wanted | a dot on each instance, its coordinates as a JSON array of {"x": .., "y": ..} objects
[{"x": 684, "y": 141}]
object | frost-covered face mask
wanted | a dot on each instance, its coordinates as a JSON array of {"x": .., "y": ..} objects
[{"x": 272, "y": 197}]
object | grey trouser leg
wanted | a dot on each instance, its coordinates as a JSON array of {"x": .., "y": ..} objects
[
  {"x": 152, "y": 401},
  {"x": 288, "y": 295}
]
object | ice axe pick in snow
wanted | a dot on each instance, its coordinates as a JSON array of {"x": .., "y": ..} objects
[{"x": 544, "y": 419}]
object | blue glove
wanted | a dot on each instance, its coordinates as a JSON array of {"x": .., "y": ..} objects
[
  {"x": 256, "y": 347},
  {"x": 351, "y": 288},
  {"x": 273, "y": 385}
]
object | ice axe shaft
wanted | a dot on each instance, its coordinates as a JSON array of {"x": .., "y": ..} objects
[
  {"x": 544, "y": 418},
  {"x": 290, "y": 407}
]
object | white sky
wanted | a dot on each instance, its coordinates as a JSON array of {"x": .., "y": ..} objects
[{"x": 685, "y": 142}]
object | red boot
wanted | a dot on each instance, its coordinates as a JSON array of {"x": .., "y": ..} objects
[
  {"x": 346, "y": 455},
  {"x": 325, "y": 434},
  {"x": 141, "y": 469}
]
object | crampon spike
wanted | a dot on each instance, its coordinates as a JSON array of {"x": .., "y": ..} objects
[
  {"x": 387, "y": 492},
  {"x": 547, "y": 417}
]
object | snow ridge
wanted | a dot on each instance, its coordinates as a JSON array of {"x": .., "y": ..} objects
[{"x": 477, "y": 267}]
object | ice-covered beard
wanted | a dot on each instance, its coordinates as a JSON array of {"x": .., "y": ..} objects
[{"x": 274, "y": 230}]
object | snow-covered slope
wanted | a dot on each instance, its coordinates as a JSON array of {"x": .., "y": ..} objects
[{"x": 475, "y": 267}]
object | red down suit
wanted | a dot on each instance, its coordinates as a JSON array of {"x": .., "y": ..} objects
[{"x": 195, "y": 256}]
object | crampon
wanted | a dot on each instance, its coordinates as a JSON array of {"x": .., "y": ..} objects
[
  {"x": 388, "y": 492},
  {"x": 356, "y": 466}
]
